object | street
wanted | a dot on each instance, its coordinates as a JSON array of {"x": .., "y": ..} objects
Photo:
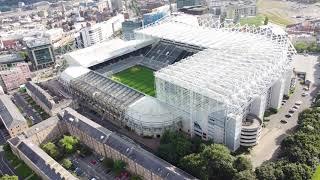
[{"x": 275, "y": 131}]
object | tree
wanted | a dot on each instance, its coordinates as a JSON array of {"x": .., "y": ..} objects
[
  {"x": 245, "y": 175},
  {"x": 213, "y": 162},
  {"x": 301, "y": 47},
  {"x": 51, "y": 149},
  {"x": 193, "y": 164},
  {"x": 108, "y": 162},
  {"x": 294, "y": 171},
  {"x": 135, "y": 177},
  {"x": 242, "y": 163},
  {"x": 266, "y": 20},
  {"x": 66, "y": 163},
  {"x": 7, "y": 177},
  {"x": 268, "y": 171},
  {"x": 218, "y": 162},
  {"x": 69, "y": 143},
  {"x": 118, "y": 166},
  {"x": 174, "y": 146}
]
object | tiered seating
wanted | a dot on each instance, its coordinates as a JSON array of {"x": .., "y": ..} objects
[
  {"x": 120, "y": 66},
  {"x": 166, "y": 53},
  {"x": 107, "y": 93}
]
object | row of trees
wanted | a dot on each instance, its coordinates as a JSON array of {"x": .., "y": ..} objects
[
  {"x": 300, "y": 152},
  {"x": 204, "y": 160},
  {"x": 306, "y": 47},
  {"x": 299, "y": 155}
]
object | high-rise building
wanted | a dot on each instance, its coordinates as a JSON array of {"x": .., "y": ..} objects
[
  {"x": 128, "y": 28},
  {"x": 41, "y": 53},
  {"x": 93, "y": 34}
]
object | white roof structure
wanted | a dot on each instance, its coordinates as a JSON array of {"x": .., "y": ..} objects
[
  {"x": 73, "y": 72},
  {"x": 238, "y": 63},
  {"x": 104, "y": 51},
  {"x": 152, "y": 112}
]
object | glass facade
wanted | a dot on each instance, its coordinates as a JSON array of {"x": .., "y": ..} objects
[{"x": 43, "y": 56}]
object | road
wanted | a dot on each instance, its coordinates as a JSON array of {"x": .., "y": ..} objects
[
  {"x": 21, "y": 102},
  {"x": 275, "y": 131},
  {"x": 97, "y": 170},
  {"x": 5, "y": 167}
]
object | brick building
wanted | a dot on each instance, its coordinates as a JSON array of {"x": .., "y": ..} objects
[
  {"x": 10, "y": 117},
  {"x": 14, "y": 77},
  {"x": 103, "y": 141}
]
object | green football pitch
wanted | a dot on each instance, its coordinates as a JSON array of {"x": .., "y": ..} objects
[{"x": 137, "y": 77}]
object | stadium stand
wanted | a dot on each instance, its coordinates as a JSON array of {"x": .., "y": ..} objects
[
  {"x": 103, "y": 94},
  {"x": 167, "y": 53}
]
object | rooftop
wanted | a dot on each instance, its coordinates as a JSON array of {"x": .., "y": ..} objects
[
  {"x": 36, "y": 42},
  {"x": 149, "y": 110},
  {"x": 104, "y": 51},
  {"x": 43, "y": 161},
  {"x": 9, "y": 113},
  {"x": 238, "y": 63},
  {"x": 44, "y": 96},
  {"x": 10, "y": 58},
  {"x": 137, "y": 154}
]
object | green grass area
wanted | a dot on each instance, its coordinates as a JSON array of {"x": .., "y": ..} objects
[
  {"x": 21, "y": 168},
  {"x": 138, "y": 77},
  {"x": 316, "y": 175},
  {"x": 257, "y": 21}
]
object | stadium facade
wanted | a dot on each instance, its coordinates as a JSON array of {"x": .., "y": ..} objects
[{"x": 211, "y": 82}]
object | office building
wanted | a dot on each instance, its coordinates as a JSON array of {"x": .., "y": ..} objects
[{"x": 41, "y": 53}]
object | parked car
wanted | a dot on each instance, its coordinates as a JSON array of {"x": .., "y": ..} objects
[
  {"x": 283, "y": 121},
  {"x": 288, "y": 115},
  {"x": 304, "y": 94},
  {"x": 295, "y": 107},
  {"x": 306, "y": 89},
  {"x": 291, "y": 111},
  {"x": 93, "y": 162},
  {"x": 298, "y": 103}
]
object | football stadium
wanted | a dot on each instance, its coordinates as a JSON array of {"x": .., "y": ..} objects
[{"x": 209, "y": 81}]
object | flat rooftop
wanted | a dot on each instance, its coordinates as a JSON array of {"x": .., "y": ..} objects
[{"x": 10, "y": 58}]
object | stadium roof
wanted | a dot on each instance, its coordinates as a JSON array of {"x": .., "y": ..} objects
[
  {"x": 238, "y": 63},
  {"x": 73, "y": 72},
  {"x": 150, "y": 111},
  {"x": 104, "y": 51}
]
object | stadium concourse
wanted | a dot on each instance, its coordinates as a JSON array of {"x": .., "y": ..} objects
[{"x": 210, "y": 81}]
